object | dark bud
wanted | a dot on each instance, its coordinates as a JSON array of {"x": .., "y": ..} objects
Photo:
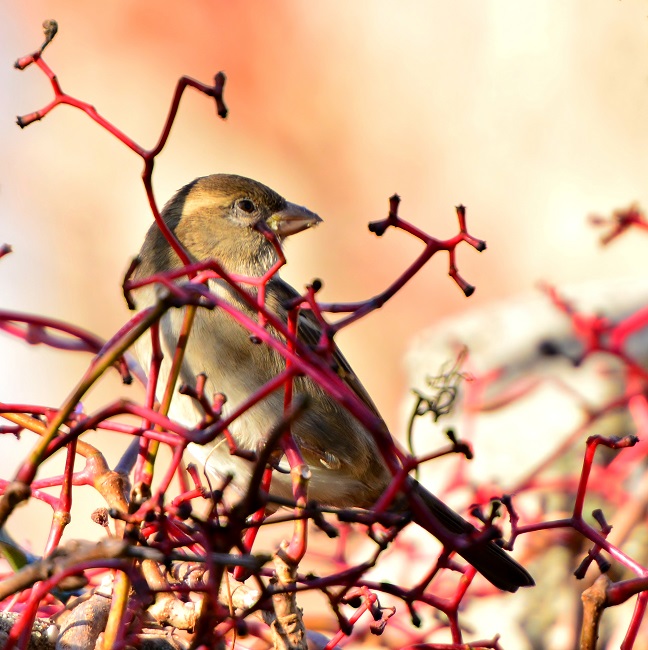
[
  {"x": 25, "y": 120},
  {"x": 478, "y": 513},
  {"x": 581, "y": 570},
  {"x": 21, "y": 64},
  {"x": 219, "y": 85},
  {"x": 353, "y": 601},
  {"x": 322, "y": 524},
  {"x": 602, "y": 522},
  {"x": 116, "y": 514},
  {"x": 378, "y": 228},
  {"x": 345, "y": 626},
  {"x": 603, "y": 565},
  {"x": 50, "y": 27},
  {"x": 495, "y": 508},
  {"x": 549, "y": 348},
  {"x": 466, "y": 450},
  {"x": 354, "y": 592},
  {"x": 416, "y": 619},
  {"x": 100, "y": 516},
  {"x": 378, "y": 627},
  {"x": 184, "y": 510}
]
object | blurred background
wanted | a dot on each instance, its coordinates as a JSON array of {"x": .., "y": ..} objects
[{"x": 533, "y": 115}]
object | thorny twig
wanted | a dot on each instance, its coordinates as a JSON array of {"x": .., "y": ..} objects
[{"x": 167, "y": 534}]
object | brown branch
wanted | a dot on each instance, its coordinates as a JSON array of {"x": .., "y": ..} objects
[
  {"x": 594, "y": 600},
  {"x": 287, "y": 625},
  {"x": 84, "y": 623},
  {"x": 63, "y": 559}
]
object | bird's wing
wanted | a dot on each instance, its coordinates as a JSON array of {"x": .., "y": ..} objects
[{"x": 309, "y": 332}]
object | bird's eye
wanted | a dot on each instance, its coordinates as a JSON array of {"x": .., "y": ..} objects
[{"x": 246, "y": 205}]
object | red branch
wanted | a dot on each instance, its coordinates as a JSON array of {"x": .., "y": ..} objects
[{"x": 168, "y": 530}]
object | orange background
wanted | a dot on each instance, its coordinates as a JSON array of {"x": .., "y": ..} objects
[{"x": 531, "y": 114}]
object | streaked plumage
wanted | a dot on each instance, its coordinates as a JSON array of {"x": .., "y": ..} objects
[{"x": 214, "y": 217}]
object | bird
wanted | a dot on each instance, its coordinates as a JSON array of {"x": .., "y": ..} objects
[{"x": 222, "y": 217}]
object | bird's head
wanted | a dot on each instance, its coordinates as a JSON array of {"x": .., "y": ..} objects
[{"x": 222, "y": 217}]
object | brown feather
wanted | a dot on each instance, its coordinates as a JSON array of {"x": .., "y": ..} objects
[{"x": 217, "y": 217}]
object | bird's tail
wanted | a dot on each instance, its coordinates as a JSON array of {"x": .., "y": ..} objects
[{"x": 492, "y": 561}]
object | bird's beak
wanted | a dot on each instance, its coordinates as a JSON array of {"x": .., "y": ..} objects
[{"x": 292, "y": 219}]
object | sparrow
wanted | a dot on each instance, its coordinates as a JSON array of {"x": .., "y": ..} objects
[{"x": 221, "y": 217}]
